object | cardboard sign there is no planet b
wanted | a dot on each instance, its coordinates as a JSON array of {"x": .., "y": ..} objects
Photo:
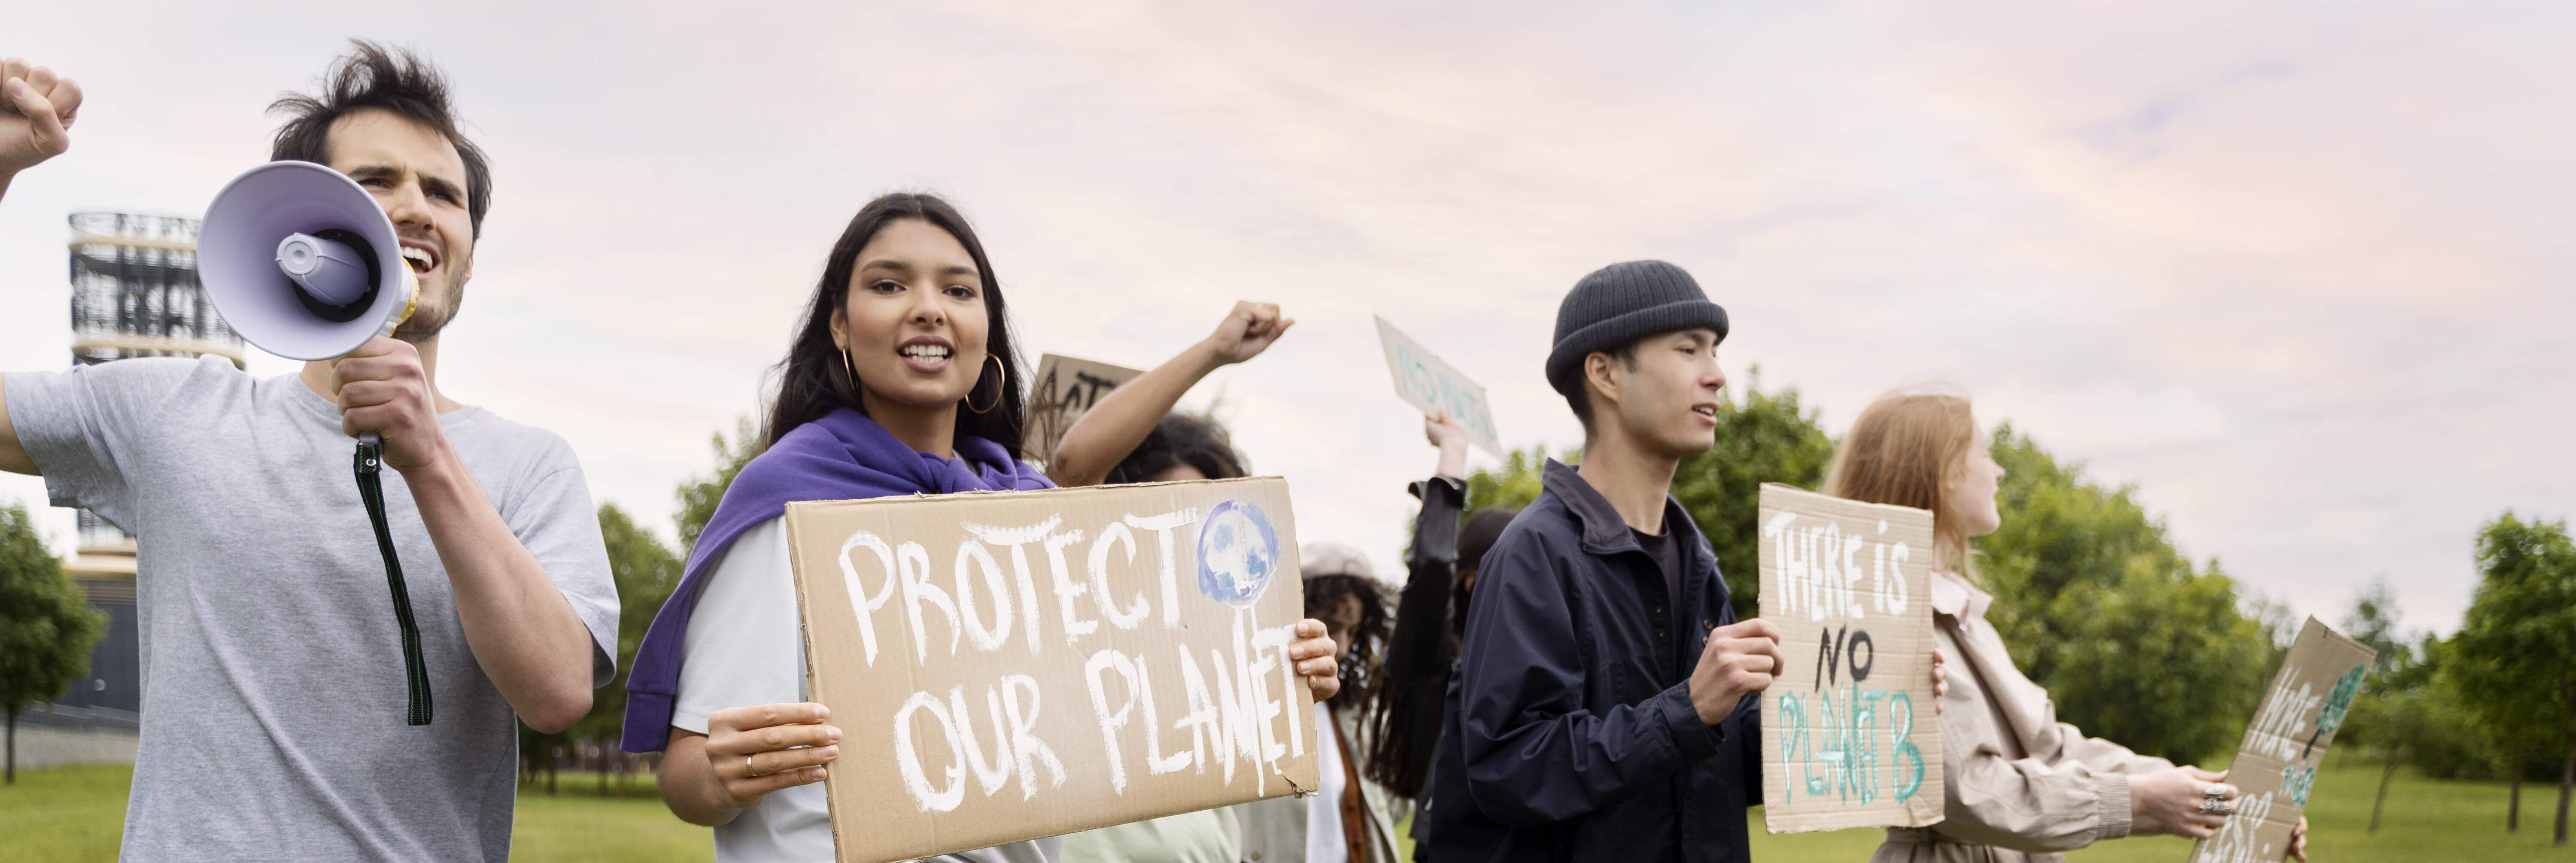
[
  {"x": 1431, "y": 385},
  {"x": 1065, "y": 389},
  {"x": 1849, "y": 735},
  {"x": 2276, "y": 766},
  {"x": 1013, "y": 665}
]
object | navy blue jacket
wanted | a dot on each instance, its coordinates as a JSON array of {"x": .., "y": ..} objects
[{"x": 1569, "y": 733}]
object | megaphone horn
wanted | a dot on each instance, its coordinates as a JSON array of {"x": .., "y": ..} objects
[{"x": 302, "y": 262}]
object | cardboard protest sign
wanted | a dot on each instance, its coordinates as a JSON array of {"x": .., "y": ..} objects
[
  {"x": 1848, "y": 730},
  {"x": 1427, "y": 383},
  {"x": 2276, "y": 766},
  {"x": 1065, "y": 389},
  {"x": 1013, "y": 665}
]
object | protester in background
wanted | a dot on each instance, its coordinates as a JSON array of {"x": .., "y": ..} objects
[
  {"x": 898, "y": 382},
  {"x": 1131, "y": 436},
  {"x": 1404, "y": 717},
  {"x": 2018, "y": 784},
  {"x": 1603, "y": 705},
  {"x": 273, "y": 724},
  {"x": 1349, "y": 819}
]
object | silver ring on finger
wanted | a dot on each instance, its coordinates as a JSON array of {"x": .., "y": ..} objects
[{"x": 2215, "y": 806}]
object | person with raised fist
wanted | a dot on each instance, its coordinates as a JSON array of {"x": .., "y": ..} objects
[
  {"x": 37, "y": 109},
  {"x": 274, "y": 723}
]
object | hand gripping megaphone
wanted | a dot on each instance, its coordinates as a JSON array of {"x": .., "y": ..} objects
[{"x": 303, "y": 263}]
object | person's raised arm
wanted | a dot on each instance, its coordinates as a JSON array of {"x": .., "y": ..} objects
[
  {"x": 1112, "y": 429},
  {"x": 1417, "y": 653},
  {"x": 37, "y": 109}
]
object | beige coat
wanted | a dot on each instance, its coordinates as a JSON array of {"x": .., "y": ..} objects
[{"x": 2019, "y": 785}]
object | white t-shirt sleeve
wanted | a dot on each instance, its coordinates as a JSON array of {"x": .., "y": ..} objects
[{"x": 744, "y": 645}]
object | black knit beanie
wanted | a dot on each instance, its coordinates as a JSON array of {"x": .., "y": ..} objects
[{"x": 1622, "y": 303}]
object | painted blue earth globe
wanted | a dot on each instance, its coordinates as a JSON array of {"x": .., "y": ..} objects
[{"x": 1237, "y": 555}]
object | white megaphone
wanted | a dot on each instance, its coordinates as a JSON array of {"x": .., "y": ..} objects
[{"x": 302, "y": 262}]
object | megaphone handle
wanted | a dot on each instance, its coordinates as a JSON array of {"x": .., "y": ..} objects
[{"x": 370, "y": 470}]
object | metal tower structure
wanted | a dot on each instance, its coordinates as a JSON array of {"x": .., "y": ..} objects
[{"x": 134, "y": 294}]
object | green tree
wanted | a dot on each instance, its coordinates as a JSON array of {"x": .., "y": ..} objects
[
  {"x": 2397, "y": 717},
  {"x": 700, "y": 494},
  {"x": 2516, "y": 650},
  {"x": 2373, "y": 622},
  {"x": 1765, "y": 437},
  {"x": 46, "y": 628},
  {"x": 645, "y": 571},
  {"x": 1517, "y": 483},
  {"x": 2134, "y": 642}
]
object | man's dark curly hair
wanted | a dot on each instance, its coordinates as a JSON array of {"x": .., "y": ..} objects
[
  {"x": 373, "y": 77},
  {"x": 1181, "y": 439}
]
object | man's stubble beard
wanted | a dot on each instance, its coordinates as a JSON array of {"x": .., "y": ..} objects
[{"x": 433, "y": 316}]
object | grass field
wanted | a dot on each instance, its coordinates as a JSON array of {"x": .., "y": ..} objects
[{"x": 76, "y": 813}]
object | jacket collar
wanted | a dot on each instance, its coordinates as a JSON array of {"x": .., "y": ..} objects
[
  {"x": 1604, "y": 532},
  {"x": 1954, "y": 596}
]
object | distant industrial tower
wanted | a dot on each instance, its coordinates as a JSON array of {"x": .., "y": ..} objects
[{"x": 134, "y": 294}]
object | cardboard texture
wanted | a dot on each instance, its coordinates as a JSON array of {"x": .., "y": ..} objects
[
  {"x": 1849, "y": 736},
  {"x": 1013, "y": 665},
  {"x": 1064, "y": 390},
  {"x": 2276, "y": 766},
  {"x": 1431, "y": 385}
]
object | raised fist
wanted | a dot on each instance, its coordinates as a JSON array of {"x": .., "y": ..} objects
[{"x": 37, "y": 108}]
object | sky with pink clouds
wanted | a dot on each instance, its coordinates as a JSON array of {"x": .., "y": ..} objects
[{"x": 2283, "y": 266}]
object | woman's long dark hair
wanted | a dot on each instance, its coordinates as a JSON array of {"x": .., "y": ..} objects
[
  {"x": 1413, "y": 687},
  {"x": 814, "y": 379}
]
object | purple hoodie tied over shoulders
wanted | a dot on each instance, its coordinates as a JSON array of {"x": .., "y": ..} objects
[{"x": 842, "y": 456}]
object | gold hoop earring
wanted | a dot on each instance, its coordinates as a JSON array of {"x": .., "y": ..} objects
[
  {"x": 849, "y": 374},
  {"x": 1000, "y": 384}
]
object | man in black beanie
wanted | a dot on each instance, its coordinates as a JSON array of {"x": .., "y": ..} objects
[{"x": 1604, "y": 707}]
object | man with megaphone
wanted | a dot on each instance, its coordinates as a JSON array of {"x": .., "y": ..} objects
[{"x": 287, "y": 711}]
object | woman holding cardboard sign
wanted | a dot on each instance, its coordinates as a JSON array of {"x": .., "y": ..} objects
[
  {"x": 899, "y": 382},
  {"x": 2019, "y": 784}
]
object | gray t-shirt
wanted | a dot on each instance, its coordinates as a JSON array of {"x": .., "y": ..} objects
[{"x": 273, "y": 684}]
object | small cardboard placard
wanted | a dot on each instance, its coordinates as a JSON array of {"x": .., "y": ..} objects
[
  {"x": 2276, "y": 766},
  {"x": 1013, "y": 665},
  {"x": 1065, "y": 389},
  {"x": 1849, "y": 735},
  {"x": 1433, "y": 386}
]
